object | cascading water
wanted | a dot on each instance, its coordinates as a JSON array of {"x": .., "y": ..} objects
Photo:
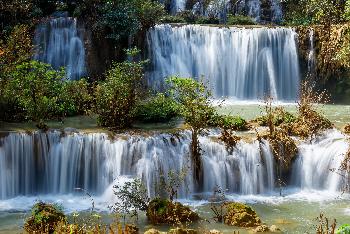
[
  {"x": 311, "y": 61},
  {"x": 59, "y": 43},
  {"x": 57, "y": 163},
  {"x": 238, "y": 62}
]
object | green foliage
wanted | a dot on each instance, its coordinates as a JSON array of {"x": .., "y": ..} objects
[
  {"x": 279, "y": 116},
  {"x": 344, "y": 229},
  {"x": 325, "y": 12},
  {"x": 76, "y": 97},
  {"x": 40, "y": 87},
  {"x": 126, "y": 17},
  {"x": 176, "y": 19},
  {"x": 120, "y": 18},
  {"x": 194, "y": 101},
  {"x": 132, "y": 197},
  {"x": 44, "y": 218},
  {"x": 229, "y": 122},
  {"x": 149, "y": 13},
  {"x": 240, "y": 20},
  {"x": 159, "y": 108},
  {"x": 207, "y": 20},
  {"x": 116, "y": 98}
]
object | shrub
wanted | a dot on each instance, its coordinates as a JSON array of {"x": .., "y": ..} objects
[
  {"x": 236, "y": 123},
  {"x": 240, "y": 20},
  {"x": 279, "y": 117},
  {"x": 44, "y": 218},
  {"x": 309, "y": 122},
  {"x": 176, "y": 19},
  {"x": 40, "y": 87},
  {"x": 132, "y": 197},
  {"x": 150, "y": 12},
  {"x": 157, "y": 109},
  {"x": 207, "y": 20},
  {"x": 116, "y": 98},
  {"x": 76, "y": 97}
]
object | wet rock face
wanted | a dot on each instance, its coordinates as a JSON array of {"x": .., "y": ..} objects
[
  {"x": 162, "y": 211},
  {"x": 241, "y": 215}
]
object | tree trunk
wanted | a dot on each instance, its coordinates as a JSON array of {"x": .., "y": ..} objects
[{"x": 196, "y": 159}]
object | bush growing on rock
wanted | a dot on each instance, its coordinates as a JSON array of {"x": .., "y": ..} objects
[
  {"x": 163, "y": 211},
  {"x": 240, "y": 215},
  {"x": 309, "y": 122},
  {"x": 44, "y": 218}
]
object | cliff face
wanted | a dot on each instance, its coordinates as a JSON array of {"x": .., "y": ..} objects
[{"x": 332, "y": 71}]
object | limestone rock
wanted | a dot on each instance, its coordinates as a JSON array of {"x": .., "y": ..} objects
[
  {"x": 240, "y": 215},
  {"x": 261, "y": 228},
  {"x": 274, "y": 228},
  {"x": 182, "y": 231},
  {"x": 162, "y": 211}
]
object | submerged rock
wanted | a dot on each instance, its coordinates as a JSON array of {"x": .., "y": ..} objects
[
  {"x": 183, "y": 231},
  {"x": 261, "y": 228},
  {"x": 153, "y": 231},
  {"x": 165, "y": 211},
  {"x": 240, "y": 215}
]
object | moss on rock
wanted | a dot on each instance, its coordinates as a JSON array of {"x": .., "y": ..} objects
[
  {"x": 44, "y": 218},
  {"x": 240, "y": 215},
  {"x": 161, "y": 211}
]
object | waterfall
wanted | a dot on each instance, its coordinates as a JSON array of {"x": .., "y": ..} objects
[
  {"x": 312, "y": 169},
  {"x": 311, "y": 60},
  {"x": 60, "y": 44},
  {"x": 237, "y": 62},
  {"x": 277, "y": 14},
  {"x": 58, "y": 163},
  {"x": 52, "y": 163}
]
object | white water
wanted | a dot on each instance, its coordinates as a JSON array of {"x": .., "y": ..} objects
[
  {"x": 237, "y": 62},
  {"x": 311, "y": 61},
  {"x": 53, "y": 165},
  {"x": 59, "y": 43}
]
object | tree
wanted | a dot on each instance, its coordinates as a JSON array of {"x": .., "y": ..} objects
[
  {"x": 40, "y": 86},
  {"x": 193, "y": 98},
  {"x": 116, "y": 98}
]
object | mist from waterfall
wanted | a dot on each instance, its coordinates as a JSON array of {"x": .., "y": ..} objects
[
  {"x": 58, "y": 163},
  {"x": 240, "y": 63},
  {"x": 59, "y": 43}
]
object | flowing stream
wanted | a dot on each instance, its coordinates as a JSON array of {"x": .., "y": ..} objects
[{"x": 242, "y": 63}]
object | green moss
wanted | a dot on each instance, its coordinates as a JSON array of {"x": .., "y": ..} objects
[
  {"x": 240, "y": 215},
  {"x": 344, "y": 229},
  {"x": 44, "y": 218},
  {"x": 165, "y": 211},
  {"x": 240, "y": 20},
  {"x": 236, "y": 123}
]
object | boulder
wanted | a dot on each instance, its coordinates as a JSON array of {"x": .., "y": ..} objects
[
  {"x": 152, "y": 231},
  {"x": 163, "y": 211},
  {"x": 240, "y": 215},
  {"x": 182, "y": 231},
  {"x": 45, "y": 218},
  {"x": 261, "y": 228},
  {"x": 274, "y": 228}
]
